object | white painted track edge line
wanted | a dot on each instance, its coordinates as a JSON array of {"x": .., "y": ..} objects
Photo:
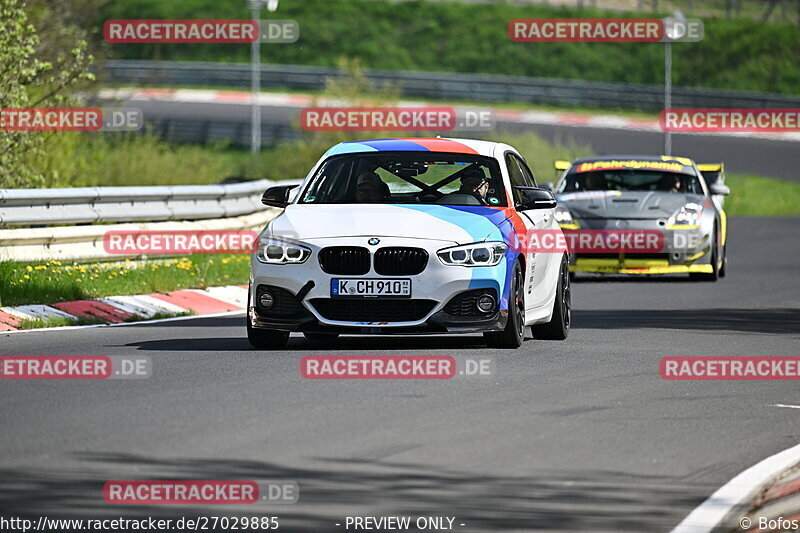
[
  {"x": 784, "y": 405},
  {"x": 709, "y": 514}
]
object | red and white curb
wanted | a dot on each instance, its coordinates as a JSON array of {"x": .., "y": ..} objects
[
  {"x": 585, "y": 120},
  {"x": 740, "y": 492},
  {"x": 778, "y": 506},
  {"x": 120, "y": 309}
]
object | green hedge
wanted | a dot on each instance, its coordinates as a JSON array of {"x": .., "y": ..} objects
[{"x": 464, "y": 37}]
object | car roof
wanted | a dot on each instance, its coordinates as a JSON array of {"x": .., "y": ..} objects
[
  {"x": 682, "y": 165},
  {"x": 415, "y": 144},
  {"x": 635, "y": 158}
]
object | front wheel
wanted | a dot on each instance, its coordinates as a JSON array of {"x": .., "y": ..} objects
[
  {"x": 266, "y": 338},
  {"x": 558, "y": 327},
  {"x": 714, "y": 274},
  {"x": 514, "y": 333}
]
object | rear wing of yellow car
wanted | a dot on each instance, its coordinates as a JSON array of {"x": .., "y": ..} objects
[
  {"x": 560, "y": 167},
  {"x": 712, "y": 172}
]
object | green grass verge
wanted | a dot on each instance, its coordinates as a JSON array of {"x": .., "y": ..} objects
[
  {"x": 60, "y": 321},
  {"x": 51, "y": 282},
  {"x": 754, "y": 196},
  {"x": 57, "y": 322},
  {"x": 473, "y": 37},
  {"x": 74, "y": 159},
  {"x": 147, "y": 161},
  {"x": 80, "y": 160}
]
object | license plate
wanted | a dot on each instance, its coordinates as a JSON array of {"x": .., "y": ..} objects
[{"x": 398, "y": 288}]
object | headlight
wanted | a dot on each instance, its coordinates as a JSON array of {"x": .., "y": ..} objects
[
  {"x": 563, "y": 216},
  {"x": 687, "y": 217},
  {"x": 278, "y": 252},
  {"x": 472, "y": 255}
]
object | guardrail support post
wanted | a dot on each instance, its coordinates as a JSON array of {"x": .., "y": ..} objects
[
  {"x": 255, "y": 118},
  {"x": 667, "y": 93}
]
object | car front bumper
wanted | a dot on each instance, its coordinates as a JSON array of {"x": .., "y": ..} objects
[
  {"x": 431, "y": 290},
  {"x": 685, "y": 250}
]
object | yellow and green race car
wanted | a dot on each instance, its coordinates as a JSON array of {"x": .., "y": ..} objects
[{"x": 664, "y": 194}]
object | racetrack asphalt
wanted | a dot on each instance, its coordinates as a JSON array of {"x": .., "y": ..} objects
[
  {"x": 741, "y": 155},
  {"x": 580, "y": 435}
]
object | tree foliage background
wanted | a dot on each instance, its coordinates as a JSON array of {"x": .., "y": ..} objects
[{"x": 44, "y": 59}]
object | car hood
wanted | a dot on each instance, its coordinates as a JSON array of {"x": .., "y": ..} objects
[
  {"x": 458, "y": 225},
  {"x": 625, "y": 204}
]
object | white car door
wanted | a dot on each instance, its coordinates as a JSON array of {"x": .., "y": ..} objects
[{"x": 541, "y": 267}]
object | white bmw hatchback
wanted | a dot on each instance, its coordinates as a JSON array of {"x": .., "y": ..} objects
[{"x": 409, "y": 236}]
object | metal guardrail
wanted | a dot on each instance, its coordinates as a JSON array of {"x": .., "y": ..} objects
[
  {"x": 445, "y": 86},
  {"x": 61, "y": 220},
  {"x": 26, "y": 207}
]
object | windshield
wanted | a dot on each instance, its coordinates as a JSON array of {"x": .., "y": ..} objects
[
  {"x": 407, "y": 178},
  {"x": 631, "y": 180}
]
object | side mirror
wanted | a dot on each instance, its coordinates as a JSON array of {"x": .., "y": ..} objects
[
  {"x": 561, "y": 165},
  {"x": 277, "y": 196},
  {"x": 549, "y": 185},
  {"x": 535, "y": 198},
  {"x": 719, "y": 189}
]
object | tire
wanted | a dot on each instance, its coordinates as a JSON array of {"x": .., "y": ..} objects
[
  {"x": 514, "y": 332},
  {"x": 558, "y": 327},
  {"x": 266, "y": 338},
  {"x": 312, "y": 336},
  {"x": 724, "y": 268},
  {"x": 705, "y": 276}
]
